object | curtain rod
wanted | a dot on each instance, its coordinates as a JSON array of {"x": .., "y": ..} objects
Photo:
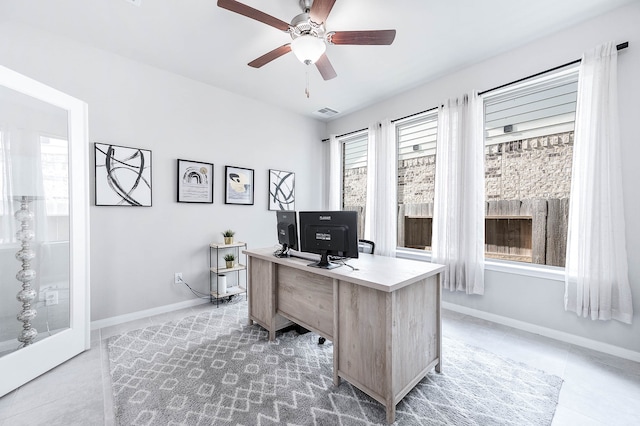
[
  {"x": 577, "y": 61},
  {"x": 347, "y": 134},
  {"x": 413, "y": 115},
  {"x": 393, "y": 121}
]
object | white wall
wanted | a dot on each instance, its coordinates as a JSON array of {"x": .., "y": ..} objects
[
  {"x": 534, "y": 300},
  {"x": 135, "y": 251}
]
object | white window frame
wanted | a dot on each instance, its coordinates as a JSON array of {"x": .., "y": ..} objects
[
  {"x": 552, "y": 273},
  {"x": 360, "y": 136},
  {"x": 423, "y": 146},
  {"x": 523, "y": 268}
]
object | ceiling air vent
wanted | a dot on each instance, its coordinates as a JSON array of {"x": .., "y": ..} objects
[{"x": 327, "y": 112}]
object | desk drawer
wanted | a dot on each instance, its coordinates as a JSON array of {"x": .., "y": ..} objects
[{"x": 306, "y": 298}]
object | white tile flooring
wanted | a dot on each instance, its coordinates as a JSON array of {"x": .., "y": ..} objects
[{"x": 598, "y": 389}]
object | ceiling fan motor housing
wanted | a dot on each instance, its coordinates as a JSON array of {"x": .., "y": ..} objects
[{"x": 302, "y": 25}]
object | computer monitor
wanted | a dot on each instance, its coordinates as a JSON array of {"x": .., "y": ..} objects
[
  {"x": 287, "y": 227},
  {"x": 329, "y": 233}
]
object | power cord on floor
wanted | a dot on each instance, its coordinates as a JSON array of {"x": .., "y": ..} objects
[
  {"x": 202, "y": 295},
  {"x": 197, "y": 293}
]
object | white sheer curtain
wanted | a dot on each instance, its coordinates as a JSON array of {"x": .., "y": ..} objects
[
  {"x": 335, "y": 170},
  {"x": 380, "y": 211},
  {"x": 458, "y": 217},
  {"x": 8, "y": 225},
  {"x": 596, "y": 274}
]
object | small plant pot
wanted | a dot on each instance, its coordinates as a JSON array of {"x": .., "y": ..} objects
[
  {"x": 229, "y": 263},
  {"x": 228, "y": 240}
]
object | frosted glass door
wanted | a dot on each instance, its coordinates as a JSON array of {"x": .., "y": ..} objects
[{"x": 43, "y": 262}]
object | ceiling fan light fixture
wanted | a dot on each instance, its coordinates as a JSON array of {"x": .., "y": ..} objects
[{"x": 308, "y": 49}]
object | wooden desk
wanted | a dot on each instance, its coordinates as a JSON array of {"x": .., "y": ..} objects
[{"x": 383, "y": 319}]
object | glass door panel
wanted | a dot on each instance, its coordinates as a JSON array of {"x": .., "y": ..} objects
[
  {"x": 34, "y": 158},
  {"x": 43, "y": 265}
]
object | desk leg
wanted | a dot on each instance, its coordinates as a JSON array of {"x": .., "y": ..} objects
[
  {"x": 439, "y": 322},
  {"x": 336, "y": 336},
  {"x": 273, "y": 307},
  {"x": 391, "y": 413}
]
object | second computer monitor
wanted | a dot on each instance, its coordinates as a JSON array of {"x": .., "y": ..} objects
[
  {"x": 329, "y": 233},
  {"x": 287, "y": 227}
]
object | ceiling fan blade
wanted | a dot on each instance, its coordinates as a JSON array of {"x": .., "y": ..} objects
[
  {"x": 270, "y": 56},
  {"x": 325, "y": 68},
  {"x": 320, "y": 10},
  {"x": 252, "y": 13},
  {"x": 374, "y": 37}
]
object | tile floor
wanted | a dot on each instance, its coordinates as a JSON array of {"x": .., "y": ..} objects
[{"x": 598, "y": 389}]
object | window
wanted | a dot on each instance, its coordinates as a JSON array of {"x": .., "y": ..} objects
[
  {"x": 416, "y": 142},
  {"x": 528, "y": 154},
  {"x": 54, "y": 157},
  {"x": 354, "y": 174},
  {"x": 55, "y": 165}
]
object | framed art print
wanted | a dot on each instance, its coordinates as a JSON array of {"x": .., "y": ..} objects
[
  {"x": 123, "y": 176},
  {"x": 195, "y": 182},
  {"x": 238, "y": 186},
  {"x": 282, "y": 187}
]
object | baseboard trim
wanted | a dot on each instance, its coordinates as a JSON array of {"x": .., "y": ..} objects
[
  {"x": 120, "y": 319},
  {"x": 547, "y": 332}
]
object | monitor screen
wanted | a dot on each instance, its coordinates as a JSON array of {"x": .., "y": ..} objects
[
  {"x": 329, "y": 233},
  {"x": 287, "y": 227}
]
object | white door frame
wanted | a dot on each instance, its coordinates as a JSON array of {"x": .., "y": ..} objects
[{"x": 27, "y": 363}]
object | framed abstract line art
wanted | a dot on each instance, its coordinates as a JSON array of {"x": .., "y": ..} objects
[
  {"x": 195, "y": 182},
  {"x": 282, "y": 185},
  {"x": 123, "y": 176},
  {"x": 238, "y": 185}
]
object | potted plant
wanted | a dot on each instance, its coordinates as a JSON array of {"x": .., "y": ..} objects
[
  {"x": 229, "y": 258},
  {"x": 228, "y": 236}
]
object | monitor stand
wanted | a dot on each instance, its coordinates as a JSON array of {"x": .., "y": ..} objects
[{"x": 324, "y": 262}]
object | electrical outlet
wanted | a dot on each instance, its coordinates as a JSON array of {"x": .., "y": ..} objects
[
  {"x": 50, "y": 298},
  {"x": 177, "y": 278}
]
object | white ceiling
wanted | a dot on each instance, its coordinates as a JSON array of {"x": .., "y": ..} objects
[{"x": 199, "y": 40}]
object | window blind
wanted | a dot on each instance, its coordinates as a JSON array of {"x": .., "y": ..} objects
[
  {"x": 531, "y": 110},
  {"x": 355, "y": 150},
  {"x": 416, "y": 136}
]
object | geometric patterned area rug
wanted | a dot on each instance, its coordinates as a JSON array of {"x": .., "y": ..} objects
[{"x": 214, "y": 369}]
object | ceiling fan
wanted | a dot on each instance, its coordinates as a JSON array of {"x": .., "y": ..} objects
[{"x": 309, "y": 35}]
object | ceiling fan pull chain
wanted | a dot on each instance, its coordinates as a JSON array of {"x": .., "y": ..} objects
[{"x": 306, "y": 90}]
